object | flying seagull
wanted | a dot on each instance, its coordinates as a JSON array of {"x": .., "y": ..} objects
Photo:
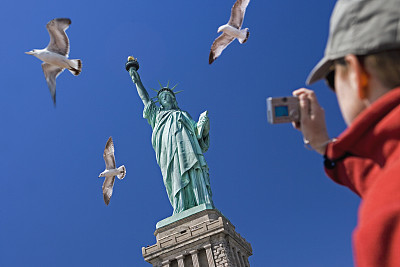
[
  {"x": 231, "y": 30},
  {"x": 55, "y": 55},
  {"x": 110, "y": 171}
]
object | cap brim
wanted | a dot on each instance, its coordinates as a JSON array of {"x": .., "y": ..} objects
[{"x": 319, "y": 71}]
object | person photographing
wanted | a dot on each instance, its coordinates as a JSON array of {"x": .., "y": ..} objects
[{"x": 362, "y": 66}]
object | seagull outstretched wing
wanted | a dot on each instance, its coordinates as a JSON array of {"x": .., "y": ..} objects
[
  {"x": 108, "y": 186},
  {"x": 108, "y": 155},
  {"x": 218, "y": 46},
  {"x": 59, "y": 42},
  {"x": 237, "y": 13},
  {"x": 51, "y": 72}
]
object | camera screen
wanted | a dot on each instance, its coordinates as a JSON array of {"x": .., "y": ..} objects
[{"x": 281, "y": 111}]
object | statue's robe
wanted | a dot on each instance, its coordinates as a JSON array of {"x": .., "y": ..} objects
[{"x": 179, "y": 153}]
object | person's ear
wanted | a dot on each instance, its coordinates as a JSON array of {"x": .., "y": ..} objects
[
  {"x": 360, "y": 78},
  {"x": 363, "y": 91}
]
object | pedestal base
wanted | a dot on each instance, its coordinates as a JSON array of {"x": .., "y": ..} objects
[
  {"x": 183, "y": 214},
  {"x": 202, "y": 239}
]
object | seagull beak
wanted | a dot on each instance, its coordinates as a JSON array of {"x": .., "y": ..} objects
[{"x": 29, "y": 53}]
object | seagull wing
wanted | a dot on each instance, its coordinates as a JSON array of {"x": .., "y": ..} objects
[
  {"x": 51, "y": 72},
  {"x": 59, "y": 42},
  {"x": 108, "y": 155},
  {"x": 108, "y": 188},
  {"x": 219, "y": 45},
  {"x": 237, "y": 13}
]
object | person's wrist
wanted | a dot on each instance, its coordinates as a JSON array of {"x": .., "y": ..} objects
[{"x": 319, "y": 147}]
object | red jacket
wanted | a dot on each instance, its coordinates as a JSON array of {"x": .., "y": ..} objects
[{"x": 366, "y": 159}]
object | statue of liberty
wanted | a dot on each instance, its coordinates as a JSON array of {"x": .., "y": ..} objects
[{"x": 179, "y": 143}]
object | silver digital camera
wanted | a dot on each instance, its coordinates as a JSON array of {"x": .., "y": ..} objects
[{"x": 283, "y": 109}]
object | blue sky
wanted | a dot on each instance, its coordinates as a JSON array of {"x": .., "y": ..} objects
[{"x": 264, "y": 181}]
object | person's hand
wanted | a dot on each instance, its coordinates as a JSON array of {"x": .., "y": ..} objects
[{"x": 312, "y": 120}]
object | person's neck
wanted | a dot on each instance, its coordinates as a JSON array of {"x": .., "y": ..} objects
[{"x": 376, "y": 91}]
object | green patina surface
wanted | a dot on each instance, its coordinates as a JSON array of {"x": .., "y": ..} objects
[{"x": 179, "y": 143}]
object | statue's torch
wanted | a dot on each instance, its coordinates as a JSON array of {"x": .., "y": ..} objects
[{"x": 132, "y": 65}]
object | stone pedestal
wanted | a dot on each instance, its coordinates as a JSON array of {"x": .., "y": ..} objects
[{"x": 202, "y": 239}]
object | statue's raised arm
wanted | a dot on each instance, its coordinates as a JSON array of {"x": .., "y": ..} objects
[{"x": 132, "y": 67}]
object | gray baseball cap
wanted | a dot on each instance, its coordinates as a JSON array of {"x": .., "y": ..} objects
[{"x": 359, "y": 27}]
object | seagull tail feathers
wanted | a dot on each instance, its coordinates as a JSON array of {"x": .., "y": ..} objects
[
  {"x": 75, "y": 66},
  {"x": 244, "y": 35},
  {"x": 122, "y": 171}
]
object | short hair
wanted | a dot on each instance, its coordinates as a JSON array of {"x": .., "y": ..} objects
[{"x": 386, "y": 66}]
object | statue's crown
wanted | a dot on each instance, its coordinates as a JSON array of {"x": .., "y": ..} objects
[{"x": 166, "y": 88}]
